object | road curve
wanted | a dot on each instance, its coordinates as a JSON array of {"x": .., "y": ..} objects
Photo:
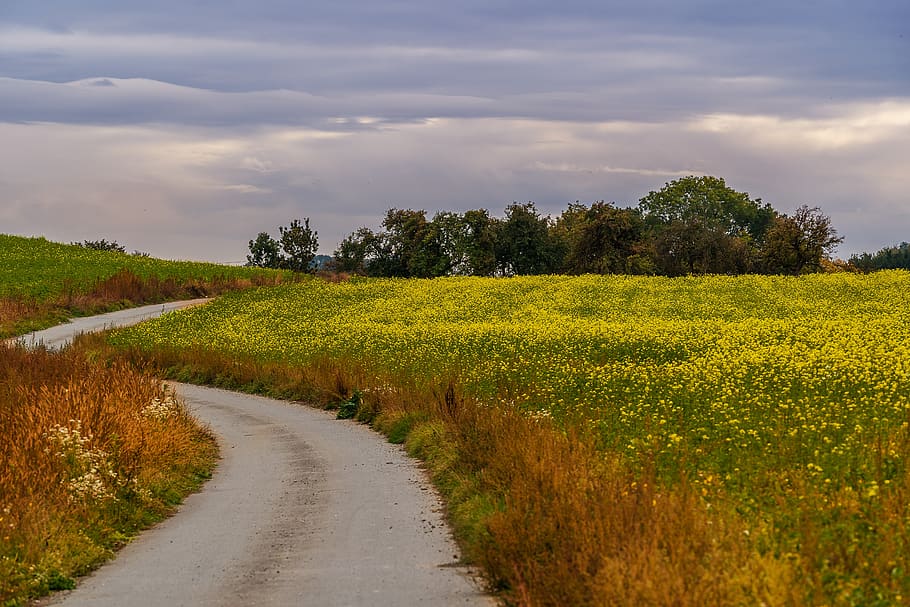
[
  {"x": 303, "y": 509},
  {"x": 56, "y": 337}
]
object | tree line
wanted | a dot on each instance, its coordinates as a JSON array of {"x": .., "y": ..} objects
[
  {"x": 888, "y": 258},
  {"x": 693, "y": 225}
]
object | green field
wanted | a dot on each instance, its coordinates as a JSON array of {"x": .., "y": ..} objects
[
  {"x": 43, "y": 282},
  {"x": 782, "y": 402},
  {"x": 40, "y": 269}
]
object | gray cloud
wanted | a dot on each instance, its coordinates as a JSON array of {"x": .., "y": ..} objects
[
  {"x": 183, "y": 128},
  {"x": 203, "y": 193}
]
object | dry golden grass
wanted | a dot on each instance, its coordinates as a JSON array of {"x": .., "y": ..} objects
[{"x": 91, "y": 454}]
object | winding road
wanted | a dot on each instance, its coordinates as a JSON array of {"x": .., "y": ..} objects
[{"x": 303, "y": 509}]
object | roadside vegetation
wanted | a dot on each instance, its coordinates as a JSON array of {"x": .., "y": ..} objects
[
  {"x": 611, "y": 440},
  {"x": 91, "y": 453},
  {"x": 43, "y": 283}
]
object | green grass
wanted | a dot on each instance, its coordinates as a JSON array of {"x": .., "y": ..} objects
[
  {"x": 43, "y": 283},
  {"x": 39, "y": 269}
]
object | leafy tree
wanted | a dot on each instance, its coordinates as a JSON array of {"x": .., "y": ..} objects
[
  {"x": 524, "y": 244},
  {"x": 264, "y": 252},
  {"x": 476, "y": 246},
  {"x": 707, "y": 200},
  {"x": 405, "y": 231},
  {"x": 601, "y": 239},
  {"x": 691, "y": 247},
  {"x": 799, "y": 243},
  {"x": 446, "y": 234},
  {"x": 299, "y": 244},
  {"x": 699, "y": 225},
  {"x": 407, "y": 247},
  {"x": 433, "y": 247},
  {"x": 411, "y": 246},
  {"x": 384, "y": 259},
  {"x": 354, "y": 251},
  {"x": 294, "y": 250},
  {"x": 888, "y": 258}
]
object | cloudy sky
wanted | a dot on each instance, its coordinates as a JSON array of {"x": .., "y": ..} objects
[{"x": 185, "y": 127}]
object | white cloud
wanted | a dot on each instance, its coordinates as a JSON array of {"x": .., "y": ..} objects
[
  {"x": 565, "y": 167},
  {"x": 849, "y": 126},
  {"x": 203, "y": 192}
]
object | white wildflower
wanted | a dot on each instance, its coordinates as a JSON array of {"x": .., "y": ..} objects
[
  {"x": 91, "y": 474},
  {"x": 161, "y": 408}
]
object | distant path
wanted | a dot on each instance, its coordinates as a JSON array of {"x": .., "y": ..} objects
[
  {"x": 57, "y": 337},
  {"x": 303, "y": 509}
]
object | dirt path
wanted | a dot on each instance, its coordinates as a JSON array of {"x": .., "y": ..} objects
[
  {"x": 303, "y": 509},
  {"x": 59, "y": 336}
]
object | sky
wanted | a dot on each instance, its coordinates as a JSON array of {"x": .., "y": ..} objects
[{"x": 183, "y": 128}]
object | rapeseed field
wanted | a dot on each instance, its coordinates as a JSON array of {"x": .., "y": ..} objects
[{"x": 769, "y": 415}]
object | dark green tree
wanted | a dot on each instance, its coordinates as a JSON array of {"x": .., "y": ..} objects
[
  {"x": 524, "y": 244},
  {"x": 708, "y": 201},
  {"x": 691, "y": 247},
  {"x": 699, "y": 225},
  {"x": 602, "y": 239},
  {"x": 405, "y": 231},
  {"x": 408, "y": 246},
  {"x": 355, "y": 252},
  {"x": 447, "y": 232},
  {"x": 477, "y": 246},
  {"x": 888, "y": 258},
  {"x": 264, "y": 252},
  {"x": 431, "y": 256},
  {"x": 382, "y": 257},
  {"x": 299, "y": 243},
  {"x": 798, "y": 243}
]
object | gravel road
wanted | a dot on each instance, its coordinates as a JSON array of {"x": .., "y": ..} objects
[
  {"x": 303, "y": 509},
  {"x": 59, "y": 336}
]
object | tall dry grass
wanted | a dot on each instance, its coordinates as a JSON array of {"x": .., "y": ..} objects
[{"x": 90, "y": 454}]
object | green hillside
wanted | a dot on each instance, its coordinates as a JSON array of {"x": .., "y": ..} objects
[{"x": 42, "y": 282}]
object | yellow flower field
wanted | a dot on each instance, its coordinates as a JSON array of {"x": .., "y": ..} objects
[{"x": 785, "y": 400}]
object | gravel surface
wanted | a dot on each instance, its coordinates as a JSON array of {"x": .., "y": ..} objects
[
  {"x": 59, "y": 336},
  {"x": 303, "y": 509}
]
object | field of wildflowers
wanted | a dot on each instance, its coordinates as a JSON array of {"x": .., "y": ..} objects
[{"x": 736, "y": 440}]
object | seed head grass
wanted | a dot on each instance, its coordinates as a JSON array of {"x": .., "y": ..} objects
[{"x": 90, "y": 455}]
